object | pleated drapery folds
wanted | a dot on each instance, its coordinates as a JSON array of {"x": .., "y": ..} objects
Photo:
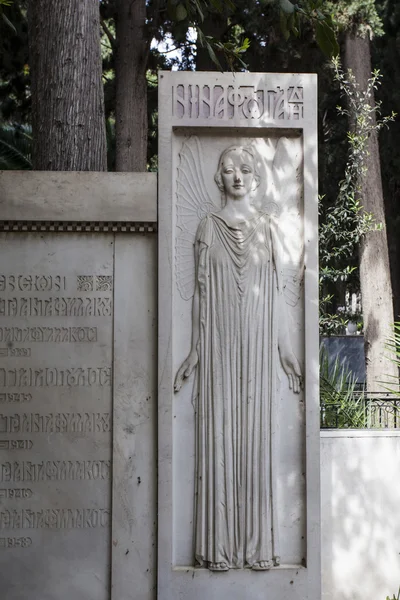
[{"x": 236, "y": 513}]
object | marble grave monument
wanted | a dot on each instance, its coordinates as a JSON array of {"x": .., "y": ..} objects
[{"x": 238, "y": 337}]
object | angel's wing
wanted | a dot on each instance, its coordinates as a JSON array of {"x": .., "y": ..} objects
[
  {"x": 193, "y": 203},
  {"x": 288, "y": 192}
]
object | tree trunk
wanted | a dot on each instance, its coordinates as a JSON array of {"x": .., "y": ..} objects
[
  {"x": 376, "y": 289},
  {"x": 131, "y": 86},
  {"x": 67, "y": 92}
]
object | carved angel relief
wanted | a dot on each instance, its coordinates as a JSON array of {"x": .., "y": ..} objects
[{"x": 241, "y": 273}]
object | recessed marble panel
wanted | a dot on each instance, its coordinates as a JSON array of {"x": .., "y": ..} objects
[{"x": 56, "y": 339}]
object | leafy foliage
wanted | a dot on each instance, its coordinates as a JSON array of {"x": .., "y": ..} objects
[
  {"x": 391, "y": 383},
  {"x": 358, "y": 16},
  {"x": 341, "y": 405},
  {"x": 293, "y": 17},
  {"x": 14, "y": 64},
  {"x": 344, "y": 222},
  {"x": 15, "y": 147}
]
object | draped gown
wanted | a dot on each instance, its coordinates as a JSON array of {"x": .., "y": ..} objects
[{"x": 237, "y": 275}]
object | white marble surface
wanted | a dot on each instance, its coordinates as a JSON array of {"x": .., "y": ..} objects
[
  {"x": 56, "y": 406},
  {"x": 218, "y": 120},
  {"x": 360, "y": 524},
  {"x": 77, "y": 196},
  {"x": 134, "y": 572}
]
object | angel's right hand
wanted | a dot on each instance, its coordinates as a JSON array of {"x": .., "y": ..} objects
[{"x": 185, "y": 370}]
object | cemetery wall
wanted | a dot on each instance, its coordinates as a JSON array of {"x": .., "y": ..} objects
[{"x": 360, "y": 498}]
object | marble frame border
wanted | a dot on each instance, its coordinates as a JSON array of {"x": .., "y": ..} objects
[{"x": 281, "y": 582}]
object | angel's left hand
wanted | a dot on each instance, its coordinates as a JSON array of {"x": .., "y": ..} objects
[{"x": 292, "y": 369}]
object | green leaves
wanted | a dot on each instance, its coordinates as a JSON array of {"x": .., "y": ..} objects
[
  {"x": 15, "y": 147},
  {"x": 345, "y": 223},
  {"x": 286, "y": 6},
  {"x": 230, "y": 51},
  {"x": 181, "y": 12},
  {"x": 192, "y": 13},
  {"x": 4, "y": 16},
  {"x": 341, "y": 405},
  {"x": 325, "y": 36},
  {"x": 314, "y": 12}
]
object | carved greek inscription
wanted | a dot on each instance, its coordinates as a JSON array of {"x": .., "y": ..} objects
[
  {"x": 32, "y": 283},
  {"x": 56, "y": 307},
  {"x": 16, "y": 494},
  {"x": 91, "y": 283},
  {"x": 15, "y": 542},
  {"x": 13, "y": 398},
  {"x": 55, "y": 518},
  {"x": 55, "y": 377},
  {"x": 16, "y": 444},
  {"x": 55, "y": 470},
  {"x": 219, "y": 102},
  {"x": 56, "y": 423},
  {"x": 54, "y": 335},
  {"x": 243, "y": 102}
]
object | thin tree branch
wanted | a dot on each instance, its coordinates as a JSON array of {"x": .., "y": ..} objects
[{"x": 108, "y": 33}]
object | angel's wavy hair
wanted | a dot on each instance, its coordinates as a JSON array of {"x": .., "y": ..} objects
[{"x": 218, "y": 174}]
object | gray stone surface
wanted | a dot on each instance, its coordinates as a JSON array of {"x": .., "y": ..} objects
[
  {"x": 77, "y": 387},
  {"x": 134, "y": 572},
  {"x": 56, "y": 329},
  {"x": 78, "y": 196}
]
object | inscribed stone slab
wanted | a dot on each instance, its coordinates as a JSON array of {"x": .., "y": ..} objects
[
  {"x": 77, "y": 386},
  {"x": 239, "y": 440},
  {"x": 56, "y": 316}
]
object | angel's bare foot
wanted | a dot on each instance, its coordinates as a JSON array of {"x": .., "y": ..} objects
[
  {"x": 262, "y": 565},
  {"x": 218, "y": 566}
]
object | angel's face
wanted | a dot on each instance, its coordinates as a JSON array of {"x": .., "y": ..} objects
[{"x": 237, "y": 173}]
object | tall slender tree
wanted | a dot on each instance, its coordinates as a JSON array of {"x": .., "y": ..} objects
[
  {"x": 67, "y": 92},
  {"x": 360, "y": 21},
  {"x": 133, "y": 46}
]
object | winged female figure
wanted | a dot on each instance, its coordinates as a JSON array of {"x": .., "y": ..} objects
[{"x": 239, "y": 333}]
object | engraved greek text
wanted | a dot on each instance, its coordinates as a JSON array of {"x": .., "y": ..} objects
[
  {"x": 57, "y": 470},
  {"x": 55, "y": 518},
  {"x": 56, "y": 423},
  {"x": 55, "y": 377},
  {"x": 47, "y": 335},
  {"x": 32, "y": 283},
  {"x": 56, "y": 306},
  {"x": 220, "y": 102}
]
